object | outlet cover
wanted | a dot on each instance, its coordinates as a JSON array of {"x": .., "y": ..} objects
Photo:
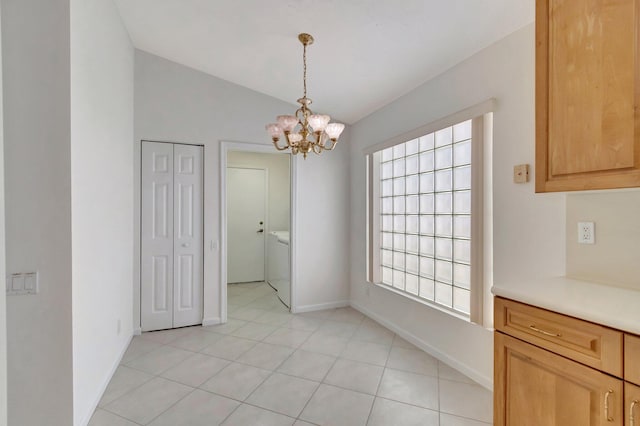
[{"x": 586, "y": 233}]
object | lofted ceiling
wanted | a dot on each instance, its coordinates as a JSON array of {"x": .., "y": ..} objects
[{"x": 366, "y": 52}]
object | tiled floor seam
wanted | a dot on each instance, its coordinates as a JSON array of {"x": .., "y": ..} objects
[
  {"x": 318, "y": 387},
  {"x": 117, "y": 415}
]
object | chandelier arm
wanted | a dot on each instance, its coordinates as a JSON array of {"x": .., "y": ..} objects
[
  {"x": 275, "y": 143},
  {"x": 334, "y": 142},
  {"x": 317, "y": 149}
]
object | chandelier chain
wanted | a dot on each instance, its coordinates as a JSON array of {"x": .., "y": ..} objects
[{"x": 304, "y": 62}]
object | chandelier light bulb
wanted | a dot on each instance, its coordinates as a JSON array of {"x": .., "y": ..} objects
[
  {"x": 313, "y": 129},
  {"x": 334, "y": 130},
  {"x": 274, "y": 130},
  {"x": 287, "y": 122},
  {"x": 318, "y": 122},
  {"x": 295, "y": 137}
]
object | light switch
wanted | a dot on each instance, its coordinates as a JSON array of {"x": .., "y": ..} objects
[
  {"x": 31, "y": 282},
  {"x": 22, "y": 283},
  {"x": 17, "y": 282}
]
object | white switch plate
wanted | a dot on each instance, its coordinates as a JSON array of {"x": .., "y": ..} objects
[
  {"x": 22, "y": 283},
  {"x": 586, "y": 233}
]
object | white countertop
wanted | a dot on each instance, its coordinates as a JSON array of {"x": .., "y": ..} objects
[{"x": 615, "y": 307}]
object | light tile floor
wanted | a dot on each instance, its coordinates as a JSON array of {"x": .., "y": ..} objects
[{"x": 266, "y": 366}]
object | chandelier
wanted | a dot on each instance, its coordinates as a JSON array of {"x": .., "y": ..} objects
[{"x": 305, "y": 131}]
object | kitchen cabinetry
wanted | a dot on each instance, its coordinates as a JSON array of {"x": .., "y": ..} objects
[
  {"x": 587, "y": 94},
  {"x": 632, "y": 404},
  {"x": 632, "y": 359},
  {"x": 555, "y": 370},
  {"x": 535, "y": 387}
]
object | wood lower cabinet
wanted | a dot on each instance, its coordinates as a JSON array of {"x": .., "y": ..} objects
[
  {"x": 535, "y": 387},
  {"x": 632, "y": 359},
  {"x": 632, "y": 404}
]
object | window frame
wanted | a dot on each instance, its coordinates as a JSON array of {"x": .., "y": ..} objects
[{"x": 481, "y": 116}]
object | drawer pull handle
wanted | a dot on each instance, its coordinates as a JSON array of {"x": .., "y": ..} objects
[
  {"x": 631, "y": 409},
  {"x": 546, "y": 333},
  {"x": 606, "y": 405}
]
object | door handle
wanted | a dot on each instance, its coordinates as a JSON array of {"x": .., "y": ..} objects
[
  {"x": 259, "y": 231},
  {"x": 606, "y": 405},
  {"x": 185, "y": 244}
]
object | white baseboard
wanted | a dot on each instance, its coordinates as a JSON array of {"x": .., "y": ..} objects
[
  {"x": 320, "y": 307},
  {"x": 481, "y": 379},
  {"x": 137, "y": 331},
  {"x": 211, "y": 321},
  {"x": 103, "y": 388}
]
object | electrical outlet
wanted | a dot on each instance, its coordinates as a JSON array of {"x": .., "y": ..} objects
[{"x": 586, "y": 233}]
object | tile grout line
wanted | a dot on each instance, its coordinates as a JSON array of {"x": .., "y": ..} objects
[{"x": 319, "y": 321}]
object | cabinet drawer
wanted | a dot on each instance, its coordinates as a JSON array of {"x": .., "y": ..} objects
[
  {"x": 632, "y": 360},
  {"x": 590, "y": 344}
]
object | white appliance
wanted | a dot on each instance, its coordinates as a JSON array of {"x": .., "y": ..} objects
[{"x": 278, "y": 269}]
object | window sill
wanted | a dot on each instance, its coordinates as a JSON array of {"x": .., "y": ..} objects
[{"x": 424, "y": 302}]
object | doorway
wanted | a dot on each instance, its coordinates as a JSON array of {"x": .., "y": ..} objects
[
  {"x": 171, "y": 284},
  {"x": 247, "y": 195},
  {"x": 258, "y": 206}
]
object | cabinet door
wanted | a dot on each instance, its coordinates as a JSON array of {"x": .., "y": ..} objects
[
  {"x": 632, "y": 359},
  {"x": 587, "y": 94},
  {"x": 632, "y": 405},
  {"x": 535, "y": 387}
]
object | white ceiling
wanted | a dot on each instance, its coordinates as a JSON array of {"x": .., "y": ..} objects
[{"x": 366, "y": 52}]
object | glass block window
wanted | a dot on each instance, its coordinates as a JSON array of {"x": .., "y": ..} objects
[{"x": 425, "y": 217}]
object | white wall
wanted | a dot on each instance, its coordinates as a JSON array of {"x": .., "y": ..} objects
[
  {"x": 35, "y": 44},
  {"x": 102, "y": 197},
  {"x": 528, "y": 228},
  {"x": 178, "y": 104},
  {"x": 278, "y": 197},
  {"x": 3, "y": 272},
  {"x": 614, "y": 259}
]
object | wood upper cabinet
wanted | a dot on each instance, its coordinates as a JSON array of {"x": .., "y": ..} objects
[
  {"x": 587, "y": 94},
  {"x": 535, "y": 387}
]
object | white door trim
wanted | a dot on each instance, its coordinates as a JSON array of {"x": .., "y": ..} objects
[
  {"x": 225, "y": 147},
  {"x": 266, "y": 224}
]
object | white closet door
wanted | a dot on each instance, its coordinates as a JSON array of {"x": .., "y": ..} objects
[
  {"x": 156, "y": 292},
  {"x": 188, "y": 241},
  {"x": 171, "y": 288}
]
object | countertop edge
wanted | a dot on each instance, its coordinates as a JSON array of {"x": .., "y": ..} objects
[{"x": 610, "y": 306}]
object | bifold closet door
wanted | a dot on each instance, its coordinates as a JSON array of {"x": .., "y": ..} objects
[{"x": 171, "y": 288}]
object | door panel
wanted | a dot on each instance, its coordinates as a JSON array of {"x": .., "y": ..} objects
[
  {"x": 246, "y": 195},
  {"x": 156, "y": 287},
  {"x": 535, "y": 387},
  {"x": 188, "y": 246}
]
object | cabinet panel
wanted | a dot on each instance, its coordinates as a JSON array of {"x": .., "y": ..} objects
[
  {"x": 590, "y": 344},
  {"x": 632, "y": 359},
  {"x": 535, "y": 387},
  {"x": 632, "y": 405},
  {"x": 587, "y": 93}
]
